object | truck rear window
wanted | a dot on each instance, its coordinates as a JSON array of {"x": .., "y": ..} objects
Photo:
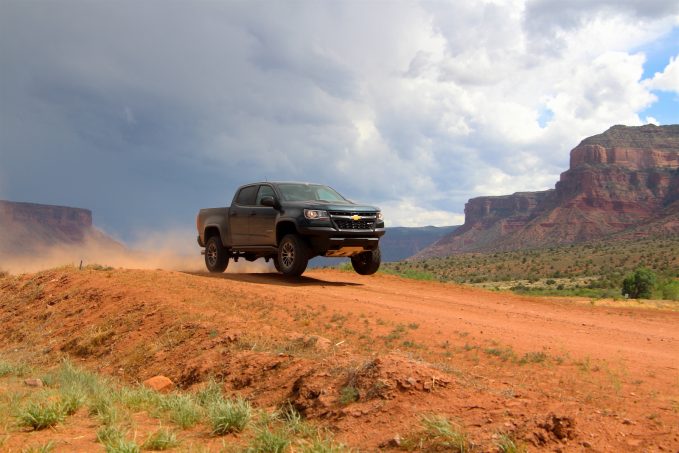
[{"x": 246, "y": 196}]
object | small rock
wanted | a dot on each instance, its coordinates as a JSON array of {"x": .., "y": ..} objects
[
  {"x": 322, "y": 344},
  {"x": 33, "y": 382},
  {"x": 586, "y": 444},
  {"x": 159, "y": 384},
  {"x": 393, "y": 442},
  {"x": 627, "y": 422}
]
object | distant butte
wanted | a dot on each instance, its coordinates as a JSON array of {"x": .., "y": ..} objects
[
  {"x": 28, "y": 228},
  {"x": 622, "y": 182}
]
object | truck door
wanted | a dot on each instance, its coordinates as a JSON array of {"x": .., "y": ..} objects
[
  {"x": 263, "y": 219},
  {"x": 239, "y": 215}
]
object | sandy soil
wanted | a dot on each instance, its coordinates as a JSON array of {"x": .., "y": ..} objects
[{"x": 557, "y": 374}]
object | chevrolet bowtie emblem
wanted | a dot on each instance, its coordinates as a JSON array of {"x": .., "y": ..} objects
[{"x": 355, "y": 217}]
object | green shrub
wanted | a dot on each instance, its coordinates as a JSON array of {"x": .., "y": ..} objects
[
  {"x": 670, "y": 290},
  {"x": 639, "y": 284}
]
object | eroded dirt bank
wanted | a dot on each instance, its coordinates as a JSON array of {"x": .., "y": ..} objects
[{"x": 552, "y": 373}]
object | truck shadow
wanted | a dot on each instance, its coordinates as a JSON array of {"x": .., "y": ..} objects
[{"x": 273, "y": 279}]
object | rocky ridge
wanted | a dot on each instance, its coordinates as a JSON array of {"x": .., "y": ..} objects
[{"x": 617, "y": 182}]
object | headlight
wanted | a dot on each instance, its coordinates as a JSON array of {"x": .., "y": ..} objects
[
  {"x": 316, "y": 214},
  {"x": 380, "y": 217}
]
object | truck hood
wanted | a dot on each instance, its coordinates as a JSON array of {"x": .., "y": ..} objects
[{"x": 333, "y": 206}]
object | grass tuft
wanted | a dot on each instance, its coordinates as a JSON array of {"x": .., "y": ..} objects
[
  {"x": 228, "y": 416},
  {"x": 123, "y": 446},
  {"x": 13, "y": 369},
  {"x": 41, "y": 415},
  {"x": 162, "y": 439},
  {"x": 348, "y": 395},
  {"x": 44, "y": 448},
  {"x": 267, "y": 441},
  {"x": 321, "y": 444},
  {"x": 210, "y": 394},
  {"x": 110, "y": 434},
  {"x": 182, "y": 410},
  {"x": 442, "y": 433},
  {"x": 506, "y": 444}
]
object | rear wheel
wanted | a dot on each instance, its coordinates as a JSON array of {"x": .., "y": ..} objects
[
  {"x": 216, "y": 256},
  {"x": 293, "y": 255},
  {"x": 367, "y": 263}
]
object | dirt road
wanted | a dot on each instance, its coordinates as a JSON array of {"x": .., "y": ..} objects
[
  {"x": 555, "y": 374},
  {"x": 648, "y": 338}
]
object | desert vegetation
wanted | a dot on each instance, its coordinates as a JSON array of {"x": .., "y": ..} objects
[
  {"x": 135, "y": 418},
  {"x": 595, "y": 270}
]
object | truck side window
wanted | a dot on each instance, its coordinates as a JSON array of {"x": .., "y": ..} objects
[
  {"x": 264, "y": 191},
  {"x": 246, "y": 196}
]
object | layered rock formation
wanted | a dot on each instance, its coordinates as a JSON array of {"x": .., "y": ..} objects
[
  {"x": 28, "y": 227},
  {"x": 617, "y": 182}
]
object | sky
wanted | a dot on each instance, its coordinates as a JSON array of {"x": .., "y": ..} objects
[{"x": 145, "y": 112}]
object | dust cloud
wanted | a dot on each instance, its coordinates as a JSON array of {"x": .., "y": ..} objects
[{"x": 170, "y": 250}]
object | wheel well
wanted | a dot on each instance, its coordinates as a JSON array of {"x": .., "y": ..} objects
[
  {"x": 209, "y": 232},
  {"x": 284, "y": 228}
]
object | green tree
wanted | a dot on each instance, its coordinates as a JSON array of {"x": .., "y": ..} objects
[{"x": 639, "y": 284}]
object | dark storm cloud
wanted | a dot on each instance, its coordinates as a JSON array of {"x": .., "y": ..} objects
[
  {"x": 132, "y": 101},
  {"x": 146, "y": 111}
]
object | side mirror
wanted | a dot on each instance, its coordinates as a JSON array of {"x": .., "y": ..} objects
[{"x": 268, "y": 201}]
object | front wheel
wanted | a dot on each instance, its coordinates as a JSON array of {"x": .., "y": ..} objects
[
  {"x": 367, "y": 263},
  {"x": 293, "y": 255},
  {"x": 216, "y": 256}
]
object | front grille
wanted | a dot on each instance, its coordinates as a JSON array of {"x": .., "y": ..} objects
[
  {"x": 351, "y": 213},
  {"x": 344, "y": 224},
  {"x": 343, "y": 220}
]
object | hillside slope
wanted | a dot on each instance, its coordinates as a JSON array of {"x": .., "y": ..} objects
[{"x": 493, "y": 363}]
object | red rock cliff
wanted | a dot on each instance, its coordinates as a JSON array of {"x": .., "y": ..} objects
[
  {"x": 616, "y": 181},
  {"x": 29, "y": 227}
]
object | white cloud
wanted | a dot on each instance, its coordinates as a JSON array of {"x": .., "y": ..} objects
[
  {"x": 668, "y": 79},
  {"x": 413, "y": 213}
]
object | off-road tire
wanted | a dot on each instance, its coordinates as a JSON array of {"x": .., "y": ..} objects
[
  {"x": 367, "y": 263},
  {"x": 293, "y": 255},
  {"x": 216, "y": 255}
]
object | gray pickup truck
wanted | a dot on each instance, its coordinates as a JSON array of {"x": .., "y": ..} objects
[{"x": 290, "y": 223}]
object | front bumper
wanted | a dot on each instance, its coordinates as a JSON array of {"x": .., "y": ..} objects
[{"x": 329, "y": 241}]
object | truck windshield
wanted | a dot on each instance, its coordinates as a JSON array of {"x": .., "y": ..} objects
[{"x": 309, "y": 192}]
